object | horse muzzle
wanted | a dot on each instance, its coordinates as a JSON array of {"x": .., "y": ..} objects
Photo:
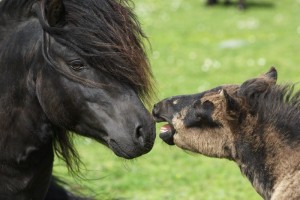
[{"x": 140, "y": 143}]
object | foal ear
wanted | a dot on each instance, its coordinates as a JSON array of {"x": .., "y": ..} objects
[
  {"x": 253, "y": 88},
  {"x": 54, "y": 12},
  {"x": 232, "y": 106},
  {"x": 271, "y": 75},
  {"x": 259, "y": 85}
]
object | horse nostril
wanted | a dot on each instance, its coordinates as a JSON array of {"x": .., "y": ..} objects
[{"x": 139, "y": 135}]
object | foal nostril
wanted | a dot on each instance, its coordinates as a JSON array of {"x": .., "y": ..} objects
[
  {"x": 139, "y": 135},
  {"x": 155, "y": 111}
]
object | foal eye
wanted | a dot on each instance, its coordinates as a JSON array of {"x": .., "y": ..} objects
[
  {"x": 208, "y": 105},
  {"x": 77, "y": 65},
  {"x": 205, "y": 110}
]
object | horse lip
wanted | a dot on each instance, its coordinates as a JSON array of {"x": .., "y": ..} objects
[
  {"x": 118, "y": 150},
  {"x": 115, "y": 147}
]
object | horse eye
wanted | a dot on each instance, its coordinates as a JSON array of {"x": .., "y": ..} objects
[{"x": 77, "y": 65}]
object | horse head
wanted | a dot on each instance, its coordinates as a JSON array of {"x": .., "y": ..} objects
[{"x": 96, "y": 74}]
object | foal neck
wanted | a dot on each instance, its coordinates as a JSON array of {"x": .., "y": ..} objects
[{"x": 266, "y": 157}]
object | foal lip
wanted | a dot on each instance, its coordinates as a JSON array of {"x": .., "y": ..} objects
[
  {"x": 159, "y": 119},
  {"x": 167, "y": 134}
]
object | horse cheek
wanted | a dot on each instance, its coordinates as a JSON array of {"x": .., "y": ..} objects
[{"x": 50, "y": 99}]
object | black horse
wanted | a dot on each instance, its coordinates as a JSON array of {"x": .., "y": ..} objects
[{"x": 68, "y": 66}]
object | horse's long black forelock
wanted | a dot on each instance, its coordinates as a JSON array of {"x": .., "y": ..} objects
[
  {"x": 104, "y": 32},
  {"x": 107, "y": 34},
  {"x": 280, "y": 107}
]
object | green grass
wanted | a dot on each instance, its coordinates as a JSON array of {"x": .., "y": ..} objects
[{"x": 191, "y": 52}]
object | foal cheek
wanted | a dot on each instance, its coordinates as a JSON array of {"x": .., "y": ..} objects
[
  {"x": 180, "y": 142},
  {"x": 208, "y": 143},
  {"x": 186, "y": 141}
]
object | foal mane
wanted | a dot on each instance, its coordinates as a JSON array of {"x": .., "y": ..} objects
[{"x": 280, "y": 107}]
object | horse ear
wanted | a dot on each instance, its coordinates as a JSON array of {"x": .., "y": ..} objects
[{"x": 54, "y": 12}]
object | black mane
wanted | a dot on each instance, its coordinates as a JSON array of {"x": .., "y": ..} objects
[
  {"x": 119, "y": 54},
  {"x": 12, "y": 12},
  {"x": 16, "y": 9}
]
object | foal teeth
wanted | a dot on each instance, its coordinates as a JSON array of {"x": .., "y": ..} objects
[{"x": 165, "y": 128}]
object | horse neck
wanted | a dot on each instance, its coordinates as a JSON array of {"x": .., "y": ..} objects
[
  {"x": 23, "y": 123},
  {"x": 264, "y": 155}
]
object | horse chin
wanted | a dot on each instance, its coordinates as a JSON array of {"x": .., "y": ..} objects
[
  {"x": 128, "y": 153},
  {"x": 121, "y": 144}
]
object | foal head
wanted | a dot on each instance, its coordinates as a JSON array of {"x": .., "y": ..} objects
[{"x": 209, "y": 122}]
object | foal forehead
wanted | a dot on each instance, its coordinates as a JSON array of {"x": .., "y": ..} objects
[
  {"x": 186, "y": 100},
  {"x": 215, "y": 93}
]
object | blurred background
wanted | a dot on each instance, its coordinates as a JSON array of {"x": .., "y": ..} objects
[{"x": 194, "y": 47}]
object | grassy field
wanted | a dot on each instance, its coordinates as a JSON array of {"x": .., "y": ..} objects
[{"x": 194, "y": 48}]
